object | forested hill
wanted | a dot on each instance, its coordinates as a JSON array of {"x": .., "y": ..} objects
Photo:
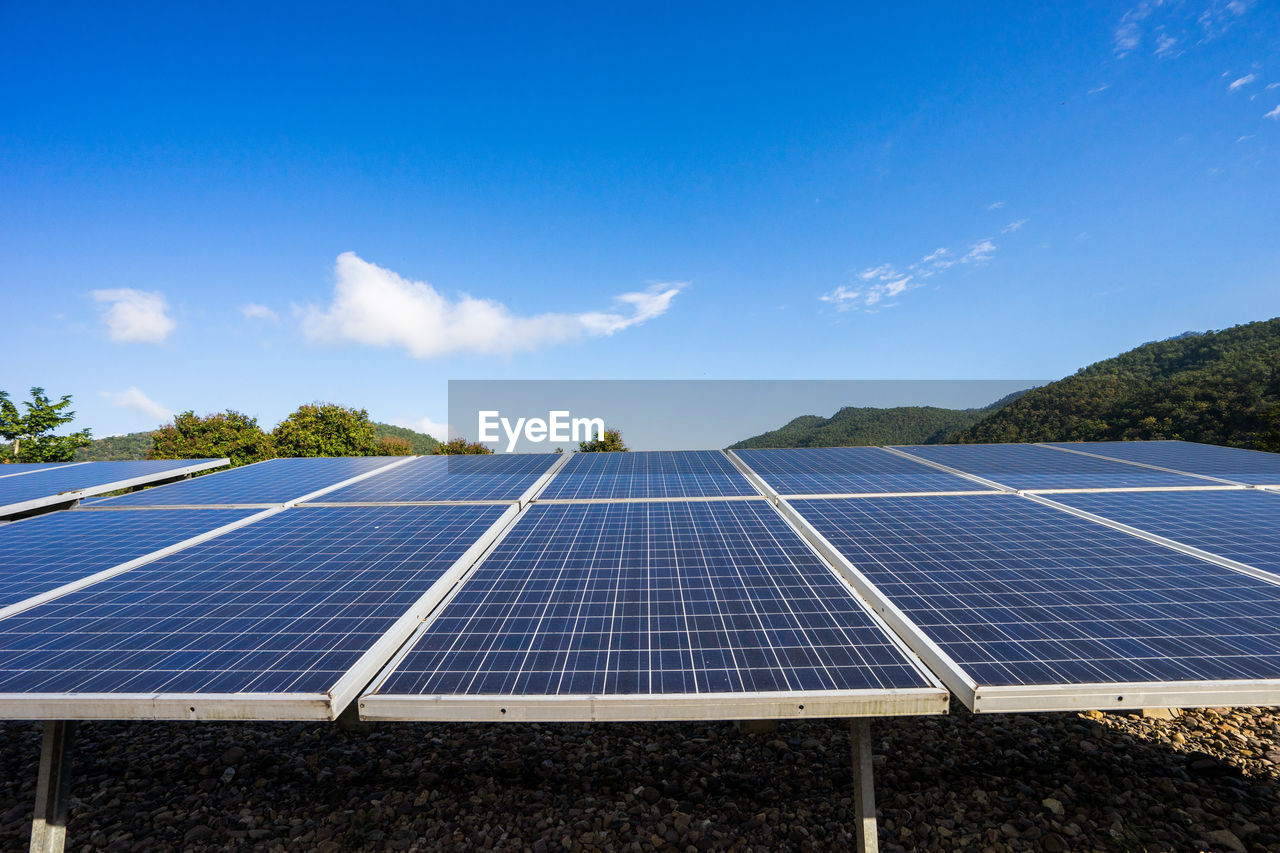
[
  {"x": 852, "y": 425},
  {"x": 135, "y": 445},
  {"x": 1216, "y": 387}
]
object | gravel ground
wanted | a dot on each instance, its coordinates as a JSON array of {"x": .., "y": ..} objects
[{"x": 1207, "y": 780}]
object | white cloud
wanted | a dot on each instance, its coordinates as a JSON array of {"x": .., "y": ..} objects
[
  {"x": 979, "y": 252},
  {"x": 1013, "y": 226},
  {"x": 846, "y": 298},
  {"x": 136, "y": 401},
  {"x": 1165, "y": 44},
  {"x": 1096, "y": 89},
  {"x": 254, "y": 311},
  {"x": 438, "y": 431},
  {"x": 995, "y": 205},
  {"x": 1128, "y": 34},
  {"x": 375, "y": 306},
  {"x": 1274, "y": 113},
  {"x": 135, "y": 315},
  {"x": 1273, "y": 86},
  {"x": 1175, "y": 24},
  {"x": 1242, "y": 81}
]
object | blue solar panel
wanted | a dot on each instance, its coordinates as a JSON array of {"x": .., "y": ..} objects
[
  {"x": 1019, "y": 593},
  {"x": 1250, "y": 467},
  {"x": 849, "y": 471},
  {"x": 14, "y": 468},
  {"x": 647, "y": 474},
  {"x": 1243, "y": 525},
  {"x": 92, "y": 475},
  {"x": 1031, "y": 467},
  {"x": 651, "y": 598},
  {"x": 43, "y": 553},
  {"x": 284, "y": 605},
  {"x": 272, "y": 482},
  {"x": 488, "y": 477}
]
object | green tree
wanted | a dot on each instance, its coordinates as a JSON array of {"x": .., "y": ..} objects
[
  {"x": 459, "y": 446},
  {"x": 325, "y": 429},
  {"x": 610, "y": 442},
  {"x": 31, "y": 435},
  {"x": 390, "y": 445},
  {"x": 231, "y": 434}
]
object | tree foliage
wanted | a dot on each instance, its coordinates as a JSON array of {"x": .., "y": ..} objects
[
  {"x": 30, "y": 433},
  {"x": 1215, "y": 387},
  {"x": 422, "y": 444},
  {"x": 460, "y": 446},
  {"x": 325, "y": 429},
  {"x": 610, "y": 442},
  {"x": 391, "y": 445},
  {"x": 232, "y": 434}
]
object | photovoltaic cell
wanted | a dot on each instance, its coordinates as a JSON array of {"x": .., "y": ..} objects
[
  {"x": 1019, "y": 593},
  {"x": 647, "y": 474},
  {"x": 285, "y": 605},
  {"x": 488, "y": 477},
  {"x": 1250, "y": 467},
  {"x": 650, "y": 598},
  {"x": 272, "y": 482},
  {"x": 42, "y": 553},
  {"x": 1241, "y": 525},
  {"x": 849, "y": 471},
  {"x": 71, "y": 478},
  {"x": 1031, "y": 467},
  {"x": 13, "y": 468}
]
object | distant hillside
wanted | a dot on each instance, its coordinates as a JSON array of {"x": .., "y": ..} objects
[
  {"x": 1216, "y": 387},
  {"x": 852, "y": 425},
  {"x": 136, "y": 444},
  {"x": 421, "y": 443}
]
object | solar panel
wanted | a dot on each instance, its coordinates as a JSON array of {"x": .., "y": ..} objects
[
  {"x": 1032, "y": 467},
  {"x": 1250, "y": 467},
  {"x": 849, "y": 471},
  {"x": 488, "y": 477},
  {"x": 647, "y": 474},
  {"x": 699, "y": 604},
  {"x": 1242, "y": 525},
  {"x": 275, "y": 481},
  {"x": 265, "y": 621},
  {"x": 1039, "y": 610},
  {"x": 45, "y": 552},
  {"x": 63, "y": 483},
  {"x": 12, "y": 469}
]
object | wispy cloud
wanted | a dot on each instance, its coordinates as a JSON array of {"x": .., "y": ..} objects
[
  {"x": 1271, "y": 86},
  {"x": 136, "y": 401},
  {"x": 1165, "y": 44},
  {"x": 1096, "y": 89},
  {"x": 254, "y": 311},
  {"x": 995, "y": 205},
  {"x": 432, "y": 428},
  {"x": 1015, "y": 225},
  {"x": 135, "y": 316},
  {"x": 1274, "y": 113},
  {"x": 877, "y": 286},
  {"x": 1242, "y": 81},
  {"x": 1174, "y": 26},
  {"x": 374, "y": 306}
]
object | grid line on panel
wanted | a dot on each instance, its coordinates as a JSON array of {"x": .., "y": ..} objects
[
  {"x": 1241, "y": 525},
  {"x": 700, "y": 597},
  {"x": 73, "y": 478},
  {"x": 647, "y": 474},
  {"x": 285, "y": 605},
  {"x": 45, "y": 552},
  {"x": 496, "y": 477},
  {"x": 274, "y": 481},
  {"x": 1018, "y": 593},
  {"x": 849, "y": 470},
  {"x": 1031, "y": 467},
  {"x": 1237, "y": 464}
]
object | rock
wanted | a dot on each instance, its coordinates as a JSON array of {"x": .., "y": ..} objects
[
  {"x": 233, "y": 755},
  {"x": 1053, "y": 805},
  {"x": 1227, "y": 838},
  {"x": 650, "y": 794}
]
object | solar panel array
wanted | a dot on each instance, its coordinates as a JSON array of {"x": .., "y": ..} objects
[
  {"x": 653, "y": 585},
  {"x": 648, "y": 474},
  {"x": 1250, "y": 467},
  {"x": 58, "y": 484},
  {"x": 1033, "y": 467},
  {"x": 11, "y": 469}
]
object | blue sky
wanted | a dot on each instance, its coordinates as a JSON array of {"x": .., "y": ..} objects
[{"x": 263, "y": 208}]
